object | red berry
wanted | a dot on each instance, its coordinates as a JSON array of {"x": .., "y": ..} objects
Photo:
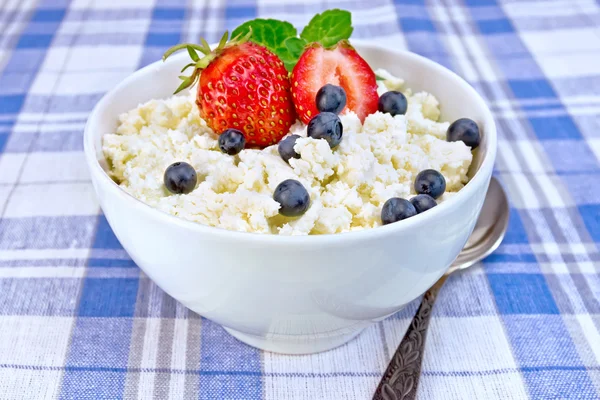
[
  {"x": 341, "y": 66},
  {"x": 246, "y": 87}
]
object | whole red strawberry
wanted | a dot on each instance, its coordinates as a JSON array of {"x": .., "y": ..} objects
[
  {"x": 341, "y": 66},
  {"x": 243, "y": 86}
]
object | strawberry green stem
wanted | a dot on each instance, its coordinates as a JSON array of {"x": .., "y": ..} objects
[
  {"x": 183, "y": 46},
  {"x": 199, "y": 63}
]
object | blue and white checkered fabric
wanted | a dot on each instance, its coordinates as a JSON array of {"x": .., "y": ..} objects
[{"x": 78, "y": 320}]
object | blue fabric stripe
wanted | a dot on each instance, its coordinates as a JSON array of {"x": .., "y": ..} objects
[
  {"x": 104, "y": 236},
  {"x": 47, "y": 232},
  {"x": 97, "y": 360},
  {"x": 522, "y": 294},
  {"x": 217, "y": 351},
  {"x": 242, "y": 12},
  {"x": 299, "y": 374},
  {"x": 108, "y": 297},
  {"x": 590, "y": 214},
  {"x": 48, "y": 15},
  {"x": 551, "y": 346},
  {"x": 504, "y": 258}
]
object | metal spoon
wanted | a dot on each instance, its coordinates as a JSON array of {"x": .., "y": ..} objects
[{"x": 401, "y": 378}]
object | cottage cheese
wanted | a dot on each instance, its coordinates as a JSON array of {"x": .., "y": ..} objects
[{"x": 348, "y": 185}]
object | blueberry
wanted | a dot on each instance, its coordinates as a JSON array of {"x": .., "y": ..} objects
[
  {"x": 423, "y": 202},
  {"x": 331, "y": 98},
  {"x": 326, "y": 125},
  {"x": 396, "y": 209},
  {"x": 180, "y": 178},
  {"x": 465, "y": 130},
  {"x": 292, "y": 197},
  {"x": 231, "y": 141},
  {"x": 393, "y": 103},
  {"x": 430, "y": 182},
  {"x": 286, "y": 148}
]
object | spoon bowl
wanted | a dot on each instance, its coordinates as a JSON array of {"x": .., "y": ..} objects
[{"x": 489, "y": 230}]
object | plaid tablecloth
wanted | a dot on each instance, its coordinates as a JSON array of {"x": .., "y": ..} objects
[{"x": 78, "y": 320}]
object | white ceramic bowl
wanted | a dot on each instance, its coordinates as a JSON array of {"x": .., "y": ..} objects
[{"x": 295, "y": 294}]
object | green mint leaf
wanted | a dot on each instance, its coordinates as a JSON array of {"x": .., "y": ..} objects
[
  {"x": 328, "y": 28},
  {"x": 280, "y": 37},
  {"x": 295, "y": 46},
  {"x": 270, "y": 33},
  {"x": 288, "y": 60},
  {"x": 291, "y": 53}
]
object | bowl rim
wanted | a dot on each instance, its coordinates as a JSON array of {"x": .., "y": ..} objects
[{"x": 468, "y": 190}]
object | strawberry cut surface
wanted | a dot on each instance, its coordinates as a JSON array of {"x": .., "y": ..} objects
[
  {"x": 246, "y": 87},
  {"x": 341, "y": 66}
]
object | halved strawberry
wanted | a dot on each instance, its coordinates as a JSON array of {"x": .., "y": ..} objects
[{"x": 340, "y": 65}]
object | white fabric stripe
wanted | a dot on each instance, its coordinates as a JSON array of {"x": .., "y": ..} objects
[
  {"x": 42, "y": 272},
  {"x": 34, "y": 254},
  {"x": 92, "y": 27},
  {"x": 215, "y": 20},
  {"x": 372, "y": 361},
  {"x": 4, "y": 193},
  {"x": 553, "y": 197},
  {"x": 193, "y": 26},
  {"x": 561, "y": 248},
  {"x": 576, "y": 65},
  {"x": 526, "y": 198},
  {"x": 10, "y": 165},
  {"x": 34, "y": 340},
  {"x": 574, "y": 111},
  {"x": 47, "y": 128},
  {"x": 330, "y": 388},
  {"x": 125, "y": 57},
  {"x": 505, "y": 386},
  {"x": 548, "y": 8},
  {"x": 591, "y": 333},
  {"x": 574, "y": 100},
  {"x": 18, "y": 384},
  {"x": 113, "y": 5},
  {"x": 561, "y": 40},
  {"x": 149, "y": 354},
  {"x": 595, "y": 146},
  {"x": 70, "y": 84},
  {"x": 507, "y": 159},
  {"x": 529, "y": 152},
  {"x": 41, "y": 254},
  {"x": 73, "y": 199},
  {"x": 556, "y": 268},
  {"x": 27, "y": 117},
  {"x": 55, "y": 166},
  {"x": 178, "y": 357},
  {"x": 67, "y": 272}
]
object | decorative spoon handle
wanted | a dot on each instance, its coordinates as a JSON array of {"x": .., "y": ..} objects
[{"x": 401, "y": 378}]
